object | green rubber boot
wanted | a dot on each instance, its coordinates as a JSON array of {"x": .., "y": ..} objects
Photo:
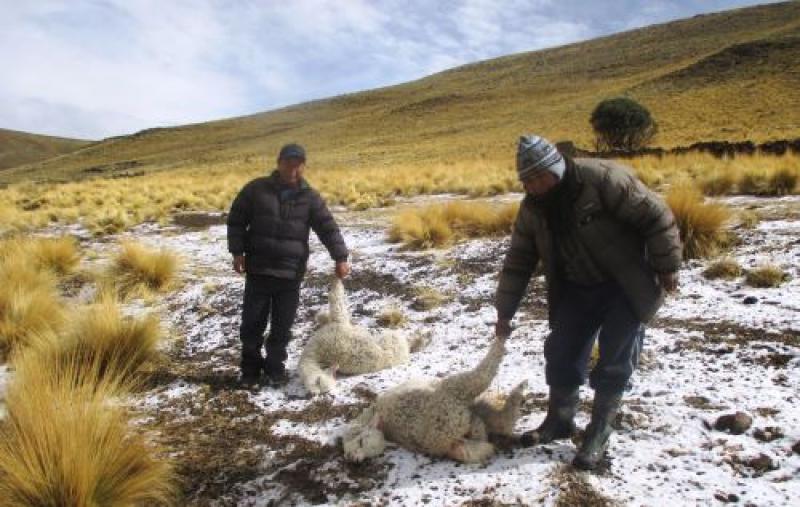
[
  {"x": 595, "y": 440},
  {"x": 560, "y": 420}
]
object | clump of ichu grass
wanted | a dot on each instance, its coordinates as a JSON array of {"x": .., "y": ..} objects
[
  {"x": 749, "y": 219},
  {"x": 766, "y": 276},
  {"x": 391, "y": 317},
  {"x": 438, "y": 225},
  {"x": 100, "y": 336},
  {"x": 718, "y": 183},
  {"x": 29, "y": 304},
  {"x": 769, "y": 182},
  {"x": 701, "y": 224},
  {"x": 59, "y": 255},
  {"x": 427, "y": 298},
  {"x": 137, "y": 271},
  {"x": 726, "y": 269},
  {"x": 67, "y": 443}
]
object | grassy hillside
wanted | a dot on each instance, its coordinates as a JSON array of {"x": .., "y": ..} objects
[
  {"x": 732, "y": 75},
  {"x": 18, "y": 148}
]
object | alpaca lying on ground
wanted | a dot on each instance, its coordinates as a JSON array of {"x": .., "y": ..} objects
[
  {"x": 340, "y": 346},
  {"x": 450, "y": 417}
]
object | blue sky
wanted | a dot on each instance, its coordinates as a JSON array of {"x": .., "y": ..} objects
[{"x": 97, "y": 68}]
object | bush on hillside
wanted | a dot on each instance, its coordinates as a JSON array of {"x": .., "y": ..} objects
[{"x": 622, "y": 124}]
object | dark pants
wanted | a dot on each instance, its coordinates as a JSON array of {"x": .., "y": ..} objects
[
  {"x": 264, "y": 296},
  {"x": 581, "y": 315}
]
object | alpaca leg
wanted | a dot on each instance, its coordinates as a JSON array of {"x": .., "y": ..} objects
[
  {"x": 471, "y": 451},
  {"x": 469, "y": 385}
]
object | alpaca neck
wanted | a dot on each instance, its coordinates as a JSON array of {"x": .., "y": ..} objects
[{"x": 337, "y": 302}]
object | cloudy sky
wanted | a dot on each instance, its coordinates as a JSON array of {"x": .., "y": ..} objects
[{"x": 96, "y": 68}]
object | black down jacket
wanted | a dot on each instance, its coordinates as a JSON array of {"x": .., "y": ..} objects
[{"x": 269, "y": 223}]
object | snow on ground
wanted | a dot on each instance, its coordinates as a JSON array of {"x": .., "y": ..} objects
[{"x": 707, "y": 354}]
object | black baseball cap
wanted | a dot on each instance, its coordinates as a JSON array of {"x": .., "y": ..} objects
[{"x": 292, "y": 150}]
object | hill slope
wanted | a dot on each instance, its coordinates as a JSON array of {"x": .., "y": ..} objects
[
  {"x": 730, "y": 75},
  {"x": 17, "y": 148}
]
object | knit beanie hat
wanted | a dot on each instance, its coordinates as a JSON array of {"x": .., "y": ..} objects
[{"x": 535, "y": 154}]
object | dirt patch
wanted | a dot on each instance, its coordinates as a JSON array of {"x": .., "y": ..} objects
[
  {"x": 221, "y": 439},
  {"x": 575, "y": 490},
  {"x": 701, "y": 403},
  {"x": 723, "y": 337}
]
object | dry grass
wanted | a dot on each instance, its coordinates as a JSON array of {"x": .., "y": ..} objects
[
  {"x": 769, "y": 182},
  {"x": 745, "y": 174},
  {"x": 29, "y": 304},
  {"x": 726, "y": 269},
  {"x": 66, "y": 444},
  {"x": 427, "y": 298},
  {"x": 138, "y": 271},
  {"x": 109, "y": 206},
  {"x": 767, "y": 276},
  {"x": 438, "y": 225},
  {"x": 701, "y": 224},
  {"x": 100, "y": 336},
  {"x": 391, "y": 317},
  {"x": 59, "y": 255},
  {"x": 749, "y": 219}
]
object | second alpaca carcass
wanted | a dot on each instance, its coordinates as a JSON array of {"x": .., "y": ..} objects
[{"x": 450, "y": 417}]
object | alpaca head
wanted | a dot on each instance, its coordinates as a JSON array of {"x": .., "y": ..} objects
[{"x": 363, "y": 442}]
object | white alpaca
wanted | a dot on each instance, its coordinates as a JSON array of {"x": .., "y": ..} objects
[
  {"x": 450, "y": 417},
  {"x": 340, "y": 346}
]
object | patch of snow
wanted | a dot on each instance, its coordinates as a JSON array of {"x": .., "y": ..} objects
[{"x": 664, "y": 448}]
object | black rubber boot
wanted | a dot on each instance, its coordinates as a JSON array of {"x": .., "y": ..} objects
[
  {"x": 559, "y": 422},
  {"x": 595, "y": 440}
]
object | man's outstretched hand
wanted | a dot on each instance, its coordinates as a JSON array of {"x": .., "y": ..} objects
[
  {"x": 238, "y": 263},
  {"x": 502, "y": 329},
  {"x": 342, "y": 269}
]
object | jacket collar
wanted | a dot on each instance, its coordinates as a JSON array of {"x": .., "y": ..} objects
[{"x": 274, "y": 179}]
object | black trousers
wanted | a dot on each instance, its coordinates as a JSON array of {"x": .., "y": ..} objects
[
  {"x": 264, "y": 297},
  {"x": 581, "y": 315}
]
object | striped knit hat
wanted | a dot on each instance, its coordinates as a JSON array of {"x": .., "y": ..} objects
[{"x": 535, "y": 154}]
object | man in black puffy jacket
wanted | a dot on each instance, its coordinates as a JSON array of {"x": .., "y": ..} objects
[{"x": 268, "y": 231}]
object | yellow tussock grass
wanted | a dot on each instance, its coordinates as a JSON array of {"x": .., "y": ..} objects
[
  {"x": 701, "y": 224},
  {"x": 29, "y": 304},
  {"x": 438, "y": 225},
  {"x": 59, "y": 255},
  {"x": 140, "y": 271},
  {"x": 766, "y": 276},
  {"x": 68, "y": 444},
  {"x": 726, "y": 268},
  {"x": 100, "y": 336}
]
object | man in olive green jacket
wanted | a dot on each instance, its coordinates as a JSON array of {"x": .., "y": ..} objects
[{"x": 609, "y": 249}]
